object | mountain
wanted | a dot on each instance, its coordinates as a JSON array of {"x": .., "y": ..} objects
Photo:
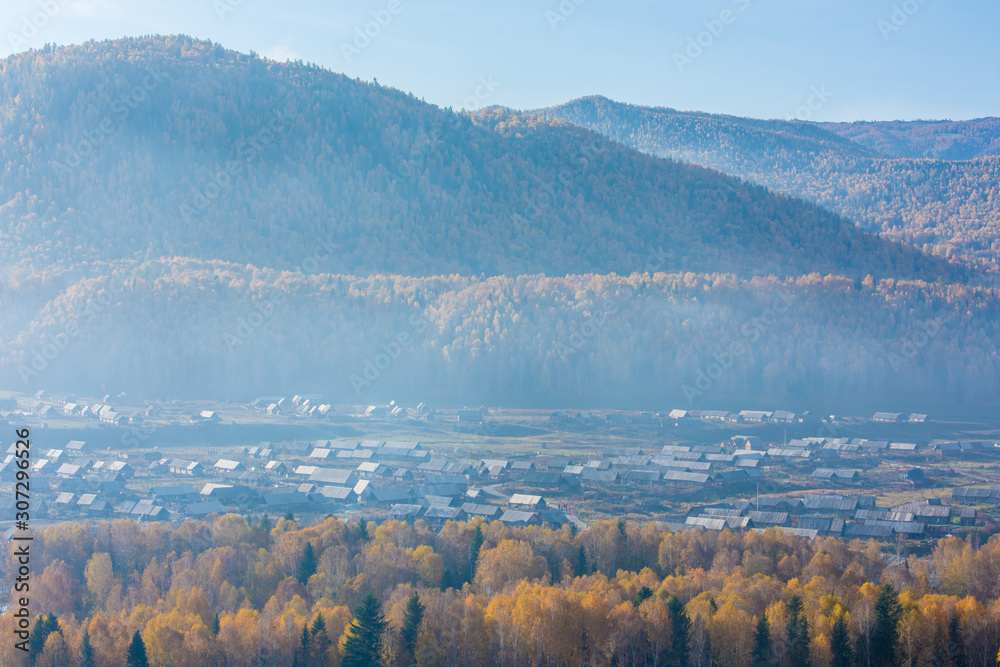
[
  {"x": 167, "y": 146},
  {"x": 177, "y": 219},
  {"x": 930, "y": 184},
  {"x": 940, "y": 140}
]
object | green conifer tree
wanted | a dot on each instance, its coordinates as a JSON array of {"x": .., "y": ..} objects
[
  {"x": 136, "y": 656},
  {"x": 307, "y": 566},
  {"x": 412, "y": 617},
  {"x": 761, "y": 656},
  {"x": 86, "y": 651},
  {"x": 363, "y": 647}
]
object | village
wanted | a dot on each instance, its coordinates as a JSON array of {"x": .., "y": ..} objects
[{"x": 710, "y": 470}]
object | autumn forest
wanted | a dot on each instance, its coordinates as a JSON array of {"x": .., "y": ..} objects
[{"x": 227, "y": 591}]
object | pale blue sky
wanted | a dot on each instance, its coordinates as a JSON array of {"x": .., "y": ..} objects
[{"x": 940, "y": 59}]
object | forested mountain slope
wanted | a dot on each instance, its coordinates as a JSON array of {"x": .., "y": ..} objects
[
  {"x": 179, "y": 219},
  {"x": 937, "y": 139},
  {"x": 930, "y": 184},
  {"x": 184, "y": 327},
  {"x": 167, "y": 146}
]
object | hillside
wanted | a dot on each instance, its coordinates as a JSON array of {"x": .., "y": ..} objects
[
  {"x": 940, "y": 140},
  {"x": 166, "y": 146},
  {"x": 190, "y": 328},
  {"x": 525, "y": 260},
  {"x": 881, "y": 175}
]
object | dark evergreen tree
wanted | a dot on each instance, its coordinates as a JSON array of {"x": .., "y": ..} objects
[
  {"x": 136, "y": 656},
  {"x": 38, "y": 637},
  {"x": 44, "y": 626},
  {"x": 307, "y": 566},
  {"x": 301, "y": 658},
  {"x": 215, "y": 625},
  {"x": 412, "y": 617},
  {"x": 264, "y": 526},
  {"x": 363, "y": 647},
  {"x": 956, "y": 644},
  {"x": 840, "y": 644},
  {"x": 475, "y": 546},
  {"x": 681, "y": 625},
  {"x": 761, "y": 656},
  {"x": 319, "y": 643},
  {"x": 289, "y": 516},
  {"x": 86, "y": 652},
  {"x": 885, "y": 632},
  {"x": 581, "y": 562},
  {"x": 642, "y": 595},
  {"x": 797, "y": 631}
]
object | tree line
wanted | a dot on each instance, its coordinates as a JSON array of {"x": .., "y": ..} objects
[{"x": 653, "y": 338}]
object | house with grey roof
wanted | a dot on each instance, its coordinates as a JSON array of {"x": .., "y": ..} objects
[
  {"x": 520, "y": 518},
  {"x": 334, "y": 476}
]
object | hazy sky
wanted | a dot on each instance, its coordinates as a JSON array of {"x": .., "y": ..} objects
[{"x": 869, "y": 59}]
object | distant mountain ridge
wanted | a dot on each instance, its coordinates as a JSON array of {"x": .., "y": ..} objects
[
  {"x": 934, "y": 184},
  {"x": 167, "y": 146},
  {"x": 931, "y": 139},
  {"x": 177, "y": 219}
]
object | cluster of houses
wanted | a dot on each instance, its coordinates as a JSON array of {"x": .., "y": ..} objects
[
  {"x": 676, "y": 416},
  {"x": 100, "y": 412},
  {"x": 814, "y": 515},
  {"x": 399, "y": 479},
  {"x": 305, "y": 406},
  {"x": 405, "y": 480},
  {"x": 44, "y": 406},
  {"x": 832, "y": 449},
  {"x": 315, "y": 406}
]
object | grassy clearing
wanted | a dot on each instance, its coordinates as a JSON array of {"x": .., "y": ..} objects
[{"x": 902, "y": 496}]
